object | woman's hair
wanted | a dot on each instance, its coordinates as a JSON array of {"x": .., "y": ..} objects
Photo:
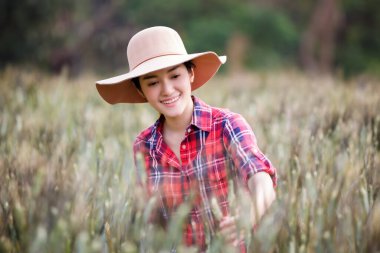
[{"x": 189, "y": 66}]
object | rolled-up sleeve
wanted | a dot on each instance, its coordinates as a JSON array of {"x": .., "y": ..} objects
[{"x": 241, "y": 145}]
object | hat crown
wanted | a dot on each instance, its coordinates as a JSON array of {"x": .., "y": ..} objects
[{"x": 154, "y": 42}]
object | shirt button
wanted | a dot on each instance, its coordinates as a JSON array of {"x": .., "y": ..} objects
[
  {"x": 255, "y": 150},
  {"x": 189, "y": 130},
  {"x": 183, "y": 146}
]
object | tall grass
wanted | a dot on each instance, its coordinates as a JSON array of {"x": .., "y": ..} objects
[{"x": 67, "y": 182}]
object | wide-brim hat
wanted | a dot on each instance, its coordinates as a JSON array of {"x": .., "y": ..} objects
[{"x": 154, "y": 49}]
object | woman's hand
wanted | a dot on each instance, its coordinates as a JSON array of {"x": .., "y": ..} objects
[
  {"x": 262, "y": 196},
  {"x": 229, "y": 230}
]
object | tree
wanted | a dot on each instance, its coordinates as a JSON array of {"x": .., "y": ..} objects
[{"x": 317, "y": 49}]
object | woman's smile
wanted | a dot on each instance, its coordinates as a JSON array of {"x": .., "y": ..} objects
[{"x": 170, "y": 101}]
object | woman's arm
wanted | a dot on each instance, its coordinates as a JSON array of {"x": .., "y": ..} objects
[
  {"x": 254, "y": 168},
  {"x": 262, "y": 193}
]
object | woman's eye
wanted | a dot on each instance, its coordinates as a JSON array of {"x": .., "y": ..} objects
[
  {"x": 152, "y": 84},
  {"x": 175, "y": 76}
]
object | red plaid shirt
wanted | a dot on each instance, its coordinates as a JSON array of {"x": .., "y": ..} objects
[{"x": 217, "y": 144}]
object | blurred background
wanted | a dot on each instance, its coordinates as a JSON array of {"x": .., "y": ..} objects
[
  {"x": 309, "y": 85},
  {"x": 318, "y": 36}
]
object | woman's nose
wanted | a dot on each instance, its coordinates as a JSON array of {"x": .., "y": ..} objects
[{"x": 167, "y": 87}]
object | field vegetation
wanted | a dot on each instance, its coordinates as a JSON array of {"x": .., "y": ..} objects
[{"x": 67, "y": 179}]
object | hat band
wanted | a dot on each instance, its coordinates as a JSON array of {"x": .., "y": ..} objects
[{"x": 154, "y": 58}]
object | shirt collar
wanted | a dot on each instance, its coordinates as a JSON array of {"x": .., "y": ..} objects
[{"x": 202, "y": 115}]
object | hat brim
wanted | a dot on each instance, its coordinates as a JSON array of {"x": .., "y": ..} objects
[{"x": 120, "y": 89}]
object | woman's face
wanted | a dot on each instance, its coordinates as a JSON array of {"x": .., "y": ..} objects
[{"x": 169, "y": 91}]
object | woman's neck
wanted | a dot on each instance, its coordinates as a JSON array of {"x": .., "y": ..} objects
[{"x": 180, "y": 123}]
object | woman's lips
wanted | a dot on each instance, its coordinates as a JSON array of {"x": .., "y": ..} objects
[{"x": 170, "y": 100}]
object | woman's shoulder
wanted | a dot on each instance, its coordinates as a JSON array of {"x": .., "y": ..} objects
[
  {"x": 147, "y": 133},
  {"x": 230, "y": 120},
  {"x": 225, "y": 114},
  {"x": 215, "y": 112},
  {"x": 220, "y": 115}
]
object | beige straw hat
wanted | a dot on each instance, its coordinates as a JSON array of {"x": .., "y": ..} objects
[{"x": 153, "y": 49}]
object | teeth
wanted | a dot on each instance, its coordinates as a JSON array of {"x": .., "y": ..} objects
[{"x": 170, "y": 100}]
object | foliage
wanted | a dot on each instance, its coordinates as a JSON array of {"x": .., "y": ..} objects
[
  {"x": 24, "y": 27},
  {"x": 273, "y": 35},
  {"x": 155, "y": 12},
  {"x": 87, "y": 34},
  {"x": 209, "y": 33},
  {"x": 359, "y": 43},
  {"x": 68, "y": 183}
]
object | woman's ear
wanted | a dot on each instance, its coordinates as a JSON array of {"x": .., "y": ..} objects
[{"x": 192, "y": 75}]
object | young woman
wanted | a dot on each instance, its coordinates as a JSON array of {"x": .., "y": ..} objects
[{"x": 193, "y": 150}]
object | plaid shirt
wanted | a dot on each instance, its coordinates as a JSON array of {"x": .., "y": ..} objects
[{"x": 217, "y": 145}]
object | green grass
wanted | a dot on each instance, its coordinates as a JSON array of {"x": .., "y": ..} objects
[{"x": 67, "y": 182}]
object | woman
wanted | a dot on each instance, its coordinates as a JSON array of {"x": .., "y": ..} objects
[{"x": 193, "y": 150}]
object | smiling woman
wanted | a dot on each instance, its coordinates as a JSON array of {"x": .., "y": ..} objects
[
  {"x": 192, "y": 152},
  {"x": 169, "y": 92}
]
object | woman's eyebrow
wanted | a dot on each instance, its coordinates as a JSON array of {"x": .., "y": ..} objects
[
  {"x": 149, "y": 77},
  {"x": 154, "y": 76}
]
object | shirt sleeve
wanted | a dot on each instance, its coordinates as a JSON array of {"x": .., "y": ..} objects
[{"x": 242, "y": 148}]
